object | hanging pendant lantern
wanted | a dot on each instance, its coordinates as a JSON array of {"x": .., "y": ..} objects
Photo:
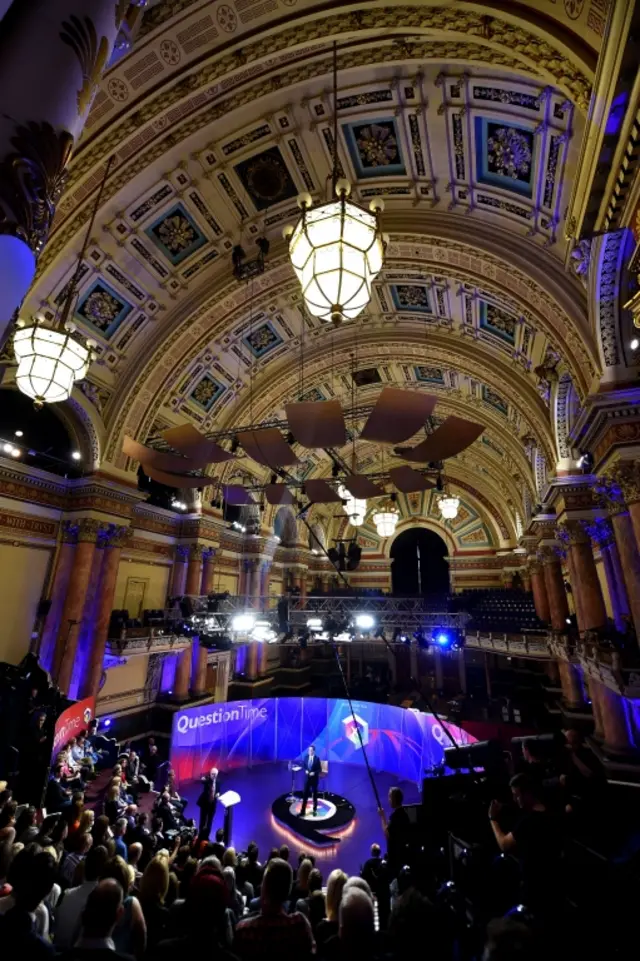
[
  {"x": 449, "y": 507},
  {"x": 52, "y": 359},
  {"x": 337, "y": 248},
  {"x": 386, "y": 518},
  {"x": 354, "y": 508}
]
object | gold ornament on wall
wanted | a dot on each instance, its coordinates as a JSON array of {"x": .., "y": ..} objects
[
  {"x": 32, "y": 179},
  {"x": 92, "y": 55}
]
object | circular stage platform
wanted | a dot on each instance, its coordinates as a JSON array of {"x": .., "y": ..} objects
[{"x": 335, "y": 816}]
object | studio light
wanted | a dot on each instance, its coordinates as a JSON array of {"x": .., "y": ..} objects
[
  {"x": 243, "y": 622},
  {"x": 314, "y": 623},
  {"x": 337, "y": 249},
  {"x": 365, "y": 621},
  {"x": 76, "y": 455},
  {"x": 635, "y": 343}
]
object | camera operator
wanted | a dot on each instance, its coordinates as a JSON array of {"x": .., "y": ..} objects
[{"x": 534, "y": 840}]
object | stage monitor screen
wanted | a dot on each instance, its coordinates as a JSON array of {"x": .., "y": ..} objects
[{"x": 400, "y": 741}]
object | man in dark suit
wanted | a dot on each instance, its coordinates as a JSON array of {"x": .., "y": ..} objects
[
  {"x": 57, "y": 797},
  {"x": 312, "y": 768},
  {"x": 208, "y": 801}
]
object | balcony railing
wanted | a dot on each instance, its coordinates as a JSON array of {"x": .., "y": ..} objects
[{"x": 132, "y": 641}]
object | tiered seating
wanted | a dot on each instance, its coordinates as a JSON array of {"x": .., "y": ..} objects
[{"x": 499, "y": 611}]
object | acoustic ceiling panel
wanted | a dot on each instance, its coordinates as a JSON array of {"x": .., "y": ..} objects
[
  {"x": 408, "y": 481},
  {"x": 158, "y": 460},
  {"x": 268, "y": 447},
  {"x": 278, "y": 494},
  {"x": 452, "y": 437},
  {"x": 319, "y": 492},
  {"x": 361, "y": 487},
  {"x": 190, "y": 441},
  {"x": 178, "y": 481},
  {"x": 236, "y": 495},
  {"x": 317, "y": 424},
  {"x": 398, "y": 415}
]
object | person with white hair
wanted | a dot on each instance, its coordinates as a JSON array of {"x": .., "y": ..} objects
[{"x": 208, "y": 801}]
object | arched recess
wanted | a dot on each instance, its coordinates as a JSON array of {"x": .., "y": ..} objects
[
  {"x": 317, "y": 537},
  {"x": 565, "y": 409},
  {"x": 609, "y": 290},
  {"x": 285, "y": 527},
  {"x": 429, "y": 524},
  {"x": 419, "y": 562}
]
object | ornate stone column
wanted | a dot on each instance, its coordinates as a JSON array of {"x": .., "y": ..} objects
[
  {"x": 179, "y": 571},
  {"x": 571, "y": 687},
  {"x": 596, "y": 709},
  {"x": 58, "y": 593},
  {"x": 208, "y": 562},
  {"x": 104, "y": 606},
  {"x": 590, "y": 610},
  {"x": 627, "y": 548},
  {"x": 199, "y": 669},
  {"x": 626, "y": 476},
  {"x": 539, "y": 588},
  {"x": 194, "y": 570},
  {"x": 601, "y": 531},
  {"x": 617, "y": 740},
  {"x": 526, "y": 579},
  {"x": 554, "y": 583},
  {"x": 67, "y": 640},
  {"x": 52, "y": 55},
  {"x": 182, "y": 677}
]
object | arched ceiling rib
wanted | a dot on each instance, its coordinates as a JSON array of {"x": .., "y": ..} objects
[{"x": 467, "y": 122}]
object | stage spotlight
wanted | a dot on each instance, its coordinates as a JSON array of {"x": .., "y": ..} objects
[
  {"x": 365, "y": 621},
  {"x": 243, "y": 622},
  {"x": 314, "y": 623},
  {"x": 442, "y": 638}
]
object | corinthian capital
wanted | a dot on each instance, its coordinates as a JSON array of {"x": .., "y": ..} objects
[
  {"x": 573, "y": 532},
  {"x": 625, "y": 479}
]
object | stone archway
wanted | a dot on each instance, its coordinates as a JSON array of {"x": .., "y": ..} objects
[{"x": 419, "y": 563}]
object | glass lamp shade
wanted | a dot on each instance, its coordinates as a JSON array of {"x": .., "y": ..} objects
[
  {"x": 385, "y": 521},
  {"x": 449, "y": 507},
  {"x": 355, "y": 509},
  {"x": 49, "y": 363},
  {"x": 336, "y": 251}
]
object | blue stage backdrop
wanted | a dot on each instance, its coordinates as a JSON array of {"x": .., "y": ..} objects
[{"x": 241, "y": 733}]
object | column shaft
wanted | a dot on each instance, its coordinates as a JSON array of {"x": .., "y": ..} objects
[
  {"x": 571, "y": 687},
  {"x": 67, "y": 639},
  {"x": 208, "y": 570},
  {"x": 179, "y": 571},
  {"x": 592, "y": 612},
  {"x": 540, "y": 599},
  {"x": 596, "y": 709},
  {"x": 558, "y": 604},
  {"x": 617, "y": 739},
  {"x": 199, "y": 668},
  {"x": 106, "y": 593},
  {"x": 630, "y": 563},
  {"x": 194, "y": 572},
  {"x": 182, "y": 676}
]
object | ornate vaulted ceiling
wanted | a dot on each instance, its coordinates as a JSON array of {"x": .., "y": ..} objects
[{"x": 468, "y": 122}]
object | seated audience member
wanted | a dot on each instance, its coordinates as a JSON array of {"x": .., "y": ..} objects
[
  {"x": 274, "y": 933},
  {"x": 134, "y": 768},
  {"x": 314, "y": 884},
  {"x": 119, "y": 830},
  {"x": 509, "y": 940},
  {"x": 32, "y": 878},
  {"x": 234, "y": 898},
  {"x": 71, "y": 905},
  {"x": 24, "y": 918},
  {"x": 81, "y": 844},
  {"x": 166, "y": 813},
  {"x": 130, "y": 933},
  {"x": 78, "y": 757},
  {"x": 375, "y": 871},
  {"x": 152, "y": 763},
  {"x": 301, "y": 882},
  {"x": 534, "y": 840},
  {"x": 92, "y": 757},
  {"x": 58, "y": 795},
  {"x": 102, "y": 913},
  {"x": 101, "y": 831},
  {"x": 113, "y": 806},
  {"x": 26, "y": 828},
  {"x": 253, "y": 870},
  {"x": 412, "y": 915},
  {"x": 135, "y": 855},
  {"x": 203, "y": 931},
  {"x": 7, "y": 835},
  {"x": 357, "y": 935},
  {"x": 154, "y": 886},
  {"x": 329, "y": 927}
]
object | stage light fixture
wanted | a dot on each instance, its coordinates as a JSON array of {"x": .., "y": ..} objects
[
  {"x": 18, "y": 433},
  {"x": 365, "y": 621},
  {"x": 243, "y": 622},
  {"x": 315, "y": 623}
]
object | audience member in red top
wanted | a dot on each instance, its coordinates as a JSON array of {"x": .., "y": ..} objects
[{"x": 274, "y": 933}]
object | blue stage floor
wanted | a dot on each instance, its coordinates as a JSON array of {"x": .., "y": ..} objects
[{"x": 261, "y": 785}]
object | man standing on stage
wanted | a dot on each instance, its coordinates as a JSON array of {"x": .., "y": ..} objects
[
  {"x": 312, "y": 768},
  {"x": 208, "y": 801}
]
